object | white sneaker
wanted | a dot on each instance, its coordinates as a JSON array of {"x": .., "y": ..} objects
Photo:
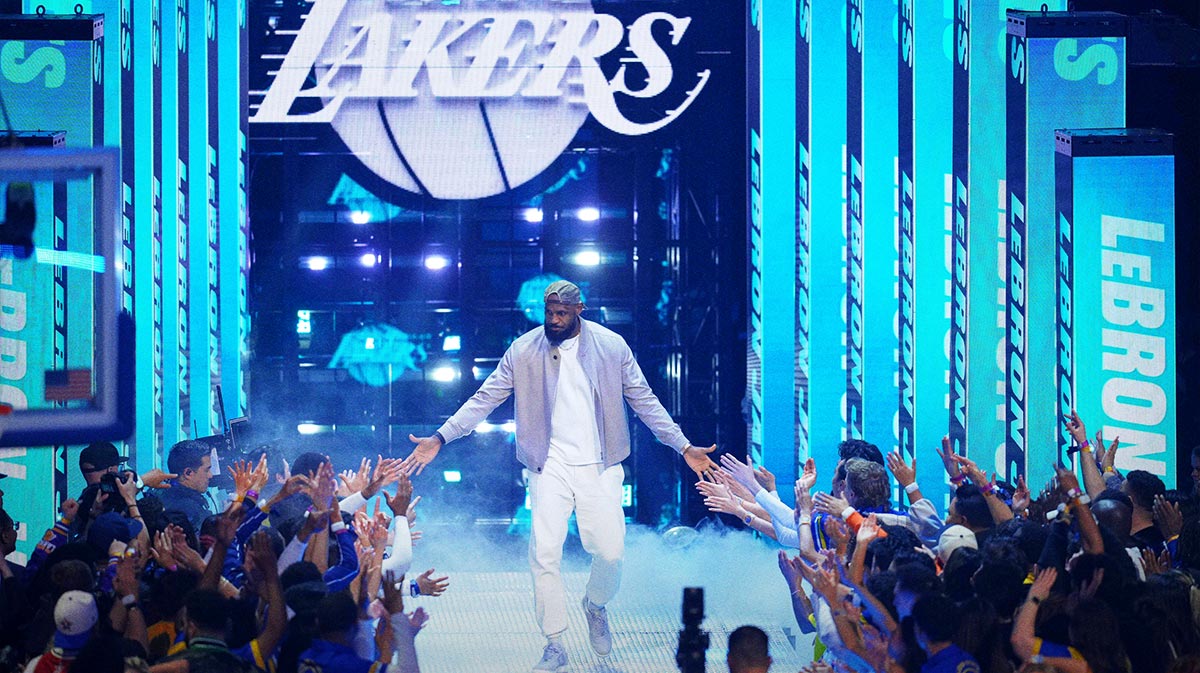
[
  {"x": 554, "y": 658},
  {"x": 598, "y": 633}
]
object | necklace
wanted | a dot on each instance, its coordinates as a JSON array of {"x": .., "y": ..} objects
[{"x": 569, "y": 344}]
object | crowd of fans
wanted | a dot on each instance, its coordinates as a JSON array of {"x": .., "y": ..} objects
[
  {"x": 302, "y": 571},
  {"x": 1098, "y": 578},
  {"x": 305, "y": 571}
]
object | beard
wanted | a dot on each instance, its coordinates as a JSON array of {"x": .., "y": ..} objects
[{"x": 557, "y": 336}]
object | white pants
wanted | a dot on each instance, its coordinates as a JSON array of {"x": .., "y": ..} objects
[{"x": 594, "y": 494}]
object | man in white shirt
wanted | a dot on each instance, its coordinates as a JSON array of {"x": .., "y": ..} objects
[{"x": 572, "y": 378}]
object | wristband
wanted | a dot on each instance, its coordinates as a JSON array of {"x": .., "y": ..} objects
[
  {"x": 440, "y": 438},
  {"x": 252, "y": 494},
  {"x": 809, "y": 523},
  {"x": 174, "y": 567},
  {"x": 1084, "y": 499},
  {"x": 1086, "y": 447},
  {"x": 1110, "y": 470},
  {"x": 337, "y": 526},
  {"x": 957, "y": 481},
  {"x": 129, "y": 600},
  {"x": 847, "y": 512},
  {"x": 1073, "y": 493},
  {"x": 912, "y": 488},
  {"x": 988, "y": 488},
  {"x": 414, "y": 589}
]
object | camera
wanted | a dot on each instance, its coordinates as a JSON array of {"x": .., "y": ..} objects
[
  {"x": 108, "y": 482},
  {"x": 693, "y": 642}
]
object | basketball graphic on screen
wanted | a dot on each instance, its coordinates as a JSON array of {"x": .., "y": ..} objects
[{"x": 414, "y": 75}]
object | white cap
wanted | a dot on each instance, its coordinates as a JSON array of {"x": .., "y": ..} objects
[
  {"x": 953, "y": 538},
  {"x": 75, "y": 613}
]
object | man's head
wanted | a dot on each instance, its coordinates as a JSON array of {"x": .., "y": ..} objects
[
  {"x": 192, "y": 461},
  {"x": 207, "y": 614},
  {"x": 934, "y": 620},
  {"x": 8, "y": 533},
  {"x": 97, "y": 459},
  {"x": 969, "y": 508},
  {"x": 748, "y": 650},
  {"x": 1114, "y": 511},
  {"x": 866, "y": 484},
  {"x": 563, "y": 306},
  {"x": 852, "y": 448},
  {"x": 1142, "y": 487},
  {"x": 337, "y": 615},
  {"x": 1196, "y": 470},
  {"x": 75, "y": 617},
  {"x": 914, "y": 582}
]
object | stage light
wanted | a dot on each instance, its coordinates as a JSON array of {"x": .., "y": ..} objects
[
  {"x": 360, "y": 216},
  {"x": 451, "y": 343},
  {"x": 303, "y": 322},
  {"x": 368, "y": 259},
  {"x": 315, "y": 263},
  {"x": 588, "y": 214},
  {"x": 436, "y": 262},
  {"x": 452, "y": 476},
  {"x": 443, "y": 374},
  {"x": 533, "y": 215},
  {"x": 310, "y": 428},
  {"x": 587, "y": 258}
]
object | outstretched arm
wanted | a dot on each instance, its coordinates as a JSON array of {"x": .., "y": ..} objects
[{"x": 497, "y": 388}]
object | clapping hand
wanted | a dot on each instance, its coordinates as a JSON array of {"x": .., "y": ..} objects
[
  {"x": 765, "y": 478},
  {"x": 741, "y": 472},
  {"x": 905, "y": 474},
  {"x": 353, "y": 482},
  {"x": 830, "y": 504}
]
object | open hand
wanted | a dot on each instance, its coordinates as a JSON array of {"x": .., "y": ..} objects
[
  {"x": 424, "y": 452},
  {"x": 697, "y": 459}
]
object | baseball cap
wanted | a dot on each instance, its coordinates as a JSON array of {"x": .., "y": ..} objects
[
  {"x": 100, "y": 455},
  {"x": 74, "y": 616},
  {"x": 953, "y": 538},
  {"x": 111, "y": 526},
  {"x": 568, "y": 292}
]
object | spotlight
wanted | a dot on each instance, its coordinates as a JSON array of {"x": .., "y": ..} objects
[
  {"x": 436, "y": 262},
  {"x": 451, "y": 343},
  {"x": 308, "y": 428},
  {"x": 452, "y": 476},
  {"x": 315, "y": 263},
  {"x": 368, "y": 259},
  {"x": 444, "y": 374},
  {"x": 533, "y": 215},
  {"x": 588, "y": 214},
  {"x": 587, "y": 258},
  {"x": 360, "y": 216}
]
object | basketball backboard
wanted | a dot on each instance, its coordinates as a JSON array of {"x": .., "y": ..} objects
[{"x": 66, "y": 341}]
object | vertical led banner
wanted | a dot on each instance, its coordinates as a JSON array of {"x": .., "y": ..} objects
[
  {"x": 754, "y": 152},
  {"x": 234, "y": 222},
  {"x": 1066, "y": 70},
  {"x": 1115, "y": 194},
  {"x": 852, "y": 407},
  {"x": 214, "y": 163},
  {"x": 880, "y": 221},
  {"x": 906, "y": 234},
  {"x": 827, "y": 266},
  {"x": 987, "y": 213},
  {"x": 46, "y": 320},
  {"x": 774, "y": 274},
  {"x": 185, "y": 211},
  {"x": 803, "y": 224},
  {"x": 202, "y": 188},
  {"x": 959, "y": 258},
  {"x": 933, "y": 94},
  {"x": 147, "y": 207},
  {"x": 169, "y": 127}
]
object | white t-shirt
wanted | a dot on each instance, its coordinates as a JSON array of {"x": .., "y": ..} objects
[{"x": 574, "y": 434}]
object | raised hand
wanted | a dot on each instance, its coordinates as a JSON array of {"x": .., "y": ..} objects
[
  {"x": 946, "y": 453},
  {"x": 69, "y": 508},
  {"x": 1042, "y": 584},
  {"x": 323, "y": 486},
  {"x": 424, "y": 452},
  {"x": 283, "y": 477},
  {"x": 808, "y": 478},
  {"x": 735, "y": 488},
  {"x": 162, "y": 551},
  {"x": 765, "y": 478},
  {"x": 804, "y": 503},
  {"x": 393, "y": 593},
  {"x": 1167, "y": 517},
  {"x": 1090, "y": 586},
  {"x": 697, "y": 458},
  {"x": 156, "y": 478},
  {"x": 387, "y": 470},
  {"x": 418, "y": 619},
  {"x": 1067, "y": 479},
  {"x": 431, "y": 586},
  {"x": 830, "y": 504},
  {"x": 352, "y": 481},
  {"x": 904, "y": 473},
  {"x": 1076, "y": 428},
  {"x": 261, "y": 475},
  {"x": 400, "y": 502},
  {"x": 741, "y": 472},
  {"x": 868, "y": 530},
  {"x": 968, "y": 467},
  {"x": 1108, "y": 459},
  {"x": 241, "y": 477},
  {"x": 226, "y": 529},
  {"x": 410, "y": 512},
  {"x": 1021, "y": 498}
]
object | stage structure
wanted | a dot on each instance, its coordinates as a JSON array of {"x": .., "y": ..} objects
[
  {"x": 1066, "y": 70},
  {"x": 946, "y": 153},
  {"x": 167, "y": 88},
  {"x": 1115, "y": 290}
]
